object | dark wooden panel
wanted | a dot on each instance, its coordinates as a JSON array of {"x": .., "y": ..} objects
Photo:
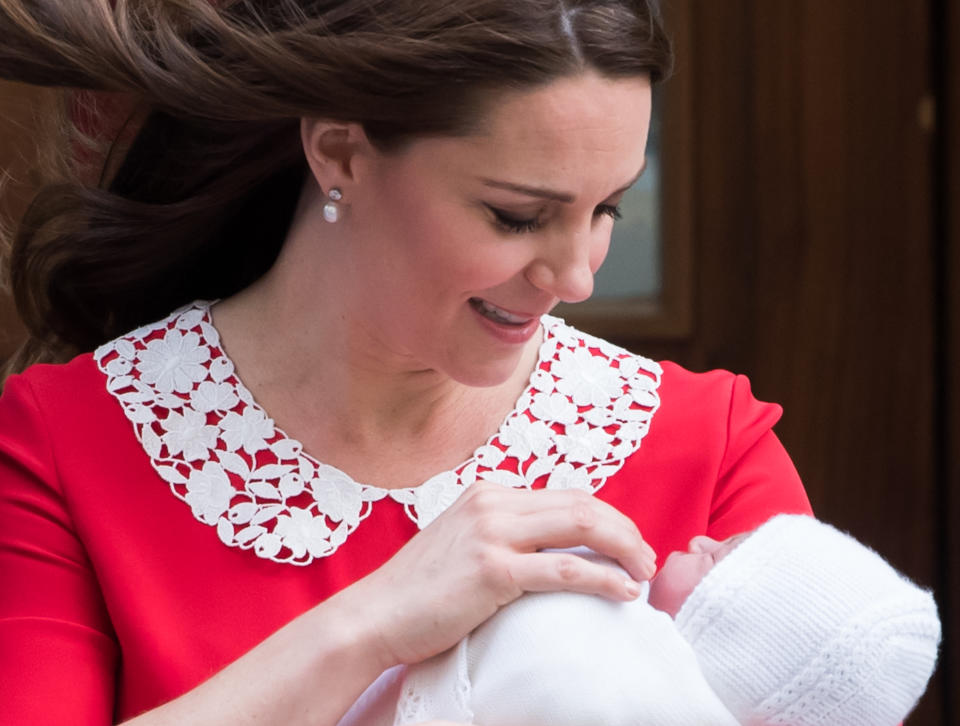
[
  {"x": 862, "y": 337},
  {"x": 950, "y": 120},
  {"x": 814, "y": 248}
]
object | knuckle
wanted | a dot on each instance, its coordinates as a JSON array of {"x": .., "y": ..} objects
[
  {"x": 568, "y": 568},
  {"x": 583, "y": 514},
  {"x": 486, "y": 527},
  {"x": 484, "y": 496}
]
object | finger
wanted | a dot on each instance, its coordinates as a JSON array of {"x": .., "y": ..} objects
[
  {"x": 552, "y": 571},
  {"x": 540, "y": 501},
  {"x": 580, "y": 519},
  {"x": 528, "y": 520}
]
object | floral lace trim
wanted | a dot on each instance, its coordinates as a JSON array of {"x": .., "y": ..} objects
[{"x": 586, "y": 409}]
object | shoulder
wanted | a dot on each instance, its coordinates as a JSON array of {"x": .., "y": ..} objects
[
  {"x": 55, "y": 414},
  {"x": 56, "y": 387},
  {"x": 714, "y": 384},
  {"x": 91, "y": 379},
  {"x": 709, "y": 461},
  {"x": 717, "y": 396},
  {"x": 714, "y": 418}
]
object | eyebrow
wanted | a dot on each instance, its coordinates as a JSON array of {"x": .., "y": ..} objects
[{"x": 551, "y": 194}]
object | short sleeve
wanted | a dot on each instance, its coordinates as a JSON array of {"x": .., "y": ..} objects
[
  {"x": 756, "y": 478},
  {"x": 57, "y": 652}
]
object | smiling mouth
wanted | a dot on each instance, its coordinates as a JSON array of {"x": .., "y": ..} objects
[{"x": 497, "y": 314}]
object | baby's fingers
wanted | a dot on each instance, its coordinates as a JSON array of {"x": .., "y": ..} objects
[{"x": 552, "y": 571}]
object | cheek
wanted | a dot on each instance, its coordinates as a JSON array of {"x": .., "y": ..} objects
[
  {"x": 412, "y": 222},
  {"x": 677, "y": 578},
  {"x": 432, "y": 238},
  {"x": 664, "y": 595}
]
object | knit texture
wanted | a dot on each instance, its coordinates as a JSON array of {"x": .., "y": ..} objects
[{"x": 802, "y": 625}]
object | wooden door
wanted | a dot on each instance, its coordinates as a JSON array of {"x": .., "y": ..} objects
[{"x": 816, "y": 241}]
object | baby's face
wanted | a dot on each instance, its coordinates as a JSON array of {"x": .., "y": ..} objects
[{"x": 682, "y": 571}]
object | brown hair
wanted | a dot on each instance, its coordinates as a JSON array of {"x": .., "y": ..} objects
[{"x": 199, "y": 204}]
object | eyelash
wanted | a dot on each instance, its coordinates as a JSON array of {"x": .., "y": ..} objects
[{"x": 521, "y": 226}]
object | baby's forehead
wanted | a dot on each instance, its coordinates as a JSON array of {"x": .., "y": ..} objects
[
  {"x": 705, "y": 542},
  {"x": 735, "y": 539},
  {"x": 728, "y": 546},
  {"x": 702, "y": 564}
]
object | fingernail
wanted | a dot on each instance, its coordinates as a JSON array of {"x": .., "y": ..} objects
[{"x": 632, "y": 588}]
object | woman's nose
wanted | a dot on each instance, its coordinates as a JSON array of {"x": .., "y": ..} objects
[
  {"x": 565, "y": 265},
  {"x": 568, "y": 283}
]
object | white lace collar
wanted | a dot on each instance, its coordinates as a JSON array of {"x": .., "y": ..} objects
[{"x": 586, "y": 409}]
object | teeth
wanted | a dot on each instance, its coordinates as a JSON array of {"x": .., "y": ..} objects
[{"x": 496, "y": 313}]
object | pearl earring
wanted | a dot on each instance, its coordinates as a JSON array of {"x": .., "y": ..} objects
[{"x": 331, "y": 210}]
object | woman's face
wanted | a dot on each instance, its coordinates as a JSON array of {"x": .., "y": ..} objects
[
  {"x": 458, "y": 245},
  {"x": 683, "y": 571}
]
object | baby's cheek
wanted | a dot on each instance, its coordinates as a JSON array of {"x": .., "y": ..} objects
[
  {"x": 665, "y": 596},
  {"x": 677, "y": 578}
]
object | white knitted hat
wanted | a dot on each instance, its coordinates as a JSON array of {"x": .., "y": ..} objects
[{"x": 803, "y": 625}]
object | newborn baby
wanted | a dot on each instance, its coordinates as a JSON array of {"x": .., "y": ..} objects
[{"x": 795, "y": 623}]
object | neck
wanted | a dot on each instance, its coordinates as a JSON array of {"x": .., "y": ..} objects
[{"x": 299, "y": 350}]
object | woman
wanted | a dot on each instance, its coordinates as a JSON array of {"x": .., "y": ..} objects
[{"x": 384, "y": 198}]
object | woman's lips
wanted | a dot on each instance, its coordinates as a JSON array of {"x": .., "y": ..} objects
[
  {"x": 506, "y": 326},
  {"x": 497, "y": 314}
]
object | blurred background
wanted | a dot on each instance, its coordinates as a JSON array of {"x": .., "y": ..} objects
[
  {"x": 806, "y": 232},
  {"x": 800, "y": 223}
]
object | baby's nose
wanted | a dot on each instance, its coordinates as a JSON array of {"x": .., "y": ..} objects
[{"x": 701, "y": 543}]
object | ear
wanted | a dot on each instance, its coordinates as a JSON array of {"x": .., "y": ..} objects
[{"x": 334, "y": 151}]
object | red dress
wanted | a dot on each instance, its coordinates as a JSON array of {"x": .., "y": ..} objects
[{"x": 155, "y": 525}]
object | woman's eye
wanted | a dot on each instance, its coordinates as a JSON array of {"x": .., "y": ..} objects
[
  {"x": 518, "y": 225},
  {"x": 514, "y": 224},
  {"x": 611, "y": 210}
]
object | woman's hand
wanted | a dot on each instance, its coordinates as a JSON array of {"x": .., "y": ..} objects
[
  {"x": 482, "y": 553},
  {"x": 477, "y": 556}
]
